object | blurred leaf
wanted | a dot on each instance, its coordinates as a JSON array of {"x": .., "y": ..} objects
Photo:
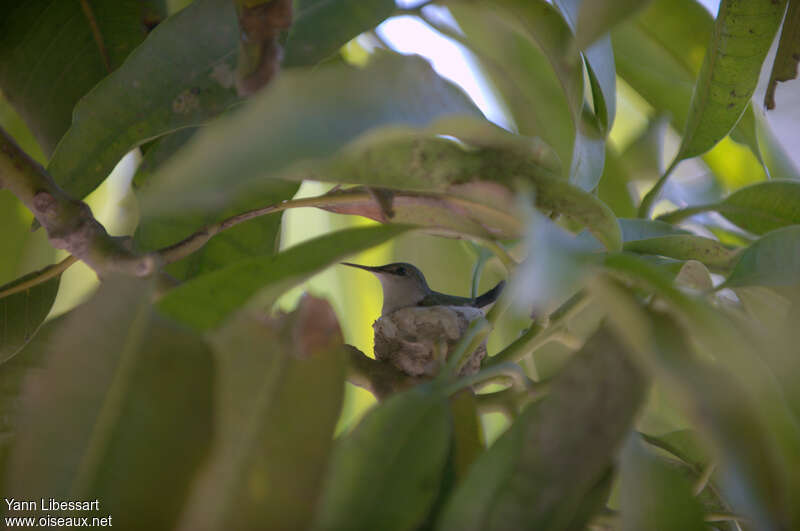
[
  {"x": 537, "y": 474},
  {"x": 257, "y": 237},
  {"x": 52, "y": 53},
  {"x": 182, "y": 76},
  {"x": 742, "y": 37},
  {"x": 772, "y": 260},
  {"x": 135, "y": 393},
  {"x": 643, "y": 157},
  {"x": 686, "y": 247},
  {"x": 14, "y": 232},
  {"x": 695, "y": 275},
  {"x": 785, "y": 66},
  {"x": 642, "y": 229},
  {"x": 736, "y": 404},
  {"x": 205, "y": 301},
  {"x": 776, "y": 159},
  {"x": 762, "y": 207},
  {"x": 410, "y": 159},
  {"x": 13, "y": 375},
  {"x": 277, "y": 403},
  {"x": 683, "y": 444},
  {"x": 293, "y": 120},
  {"x": 321, "y": 27},
  {"x": 19, "y": 131},
  {"x": 653, "y": 495},
  {"x": 386, "y": 473},
  {"x": 613, "y": 188},
  {"x": 442, "y": 214},
  {"x": 599, "y": 63},
  {"x": 468, "y": 442},
  {"x": 660, "y": 52},
  {"x": 24, "y": 312},
  {"x": 597, "y": 18},
  {"x": 522, "y": 47}
]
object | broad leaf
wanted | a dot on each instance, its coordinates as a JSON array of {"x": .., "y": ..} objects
[
  {"x": 659, "y": 52},
  {"x": 642, "y": 229},
  {"x": 595, "y": 18},
  {"x": 205, "y": 301},
  {"x": 321, "y": 27},
  {"x": 773, "y": 260},
  {"x": 277, "y": 402},
  {"x": 742, "y": 36},
  {"x": 537, "y": 474},
  {"x": 785, "y": 66},
  {"x": 386, "y": 473},
  {"x": 521, "y": 46},
  {"x": 763, "y": 207},
  {"x": 136, "y": 394},
  {"x": 293, "y": 120},
  {"x": 52, "y": 53},
  {"x": 182, "y": 76},
  {"x": 23, "y": 312},
  {"x": 653, "y": 495},
  {"x": 599, "y": 63},
  {"x": 686, "y": 247},
  {"x": 257, "y": 237}
]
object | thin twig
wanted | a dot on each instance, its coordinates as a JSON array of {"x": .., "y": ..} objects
[
  {"x": 43, "y": 276},
  {"x": 650, "y": 197}
]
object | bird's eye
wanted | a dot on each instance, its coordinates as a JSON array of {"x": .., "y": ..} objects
[{"x": 401, "y": 271}]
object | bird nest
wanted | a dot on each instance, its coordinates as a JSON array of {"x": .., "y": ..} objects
[{"x": 417, "y": 340}]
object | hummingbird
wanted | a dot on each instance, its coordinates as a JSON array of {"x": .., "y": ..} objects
[{"x": 404, "y": 286}]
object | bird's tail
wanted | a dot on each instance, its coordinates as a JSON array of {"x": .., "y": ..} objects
[{"x": 490, "y": 296}]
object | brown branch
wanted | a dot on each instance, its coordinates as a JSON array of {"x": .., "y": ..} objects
[
  {"x": 69, "y": 222},
  {"x": 377, "y": 377}
]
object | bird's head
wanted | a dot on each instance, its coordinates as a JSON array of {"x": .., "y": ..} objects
[{"x": 403, "y": 284}]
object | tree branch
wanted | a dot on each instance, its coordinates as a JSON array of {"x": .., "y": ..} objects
[
  {"x": 69, "y": 222},
  {"x": 377, "y": 377}
]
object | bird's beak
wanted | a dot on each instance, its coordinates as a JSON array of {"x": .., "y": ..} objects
[{"x": 365, "y": 268}]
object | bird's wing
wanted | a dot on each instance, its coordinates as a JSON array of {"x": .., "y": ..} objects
[
  {"x": 490, "y": 296},
  {"x": 442, "y": 299}
]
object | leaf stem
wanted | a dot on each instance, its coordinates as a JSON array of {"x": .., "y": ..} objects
[
  {"x": 651, "y": 196},
  {"x": 537, "y": 335},
  {"x": 43, "y": 276},
  {"x": 683, "y": 213}
]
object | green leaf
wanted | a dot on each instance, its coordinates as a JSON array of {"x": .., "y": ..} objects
[
  {"x": 772, "y": 260},
  {"x": 477, "y": 210},
  {"x": 642, "y": 229},
  {"x": 135, "y": 394},
  {"x": 204, "y": 301},
  {"x": 785, "y": 66},
  {"x": 596, "y": 18},
  {"x": 653, "y": 495},
  {"x": 763, "y": 207},
  {"x": 613, "y": 188},
  {"x": 183, "y": 76},
  {"x": 660, "y": 53},
  {"x": 686, "y": 247},
  {"x": 321, "y": 27},
  {"x": 599, "y": 63},
  {"x": 684, "y": 444},
  {"x": 257, "y": 237},
  {"x": 52, "y": 53},
  {"x": 24, "y": 312},
  {"x": 386, "y": 473},
  {"x": 537, "y": 474},
  {"x": 277, "y": 401},
  {"x": 521, "y": 45},
  {"x": 293, "y": 120},
  {"x": 743, "y": 33}
]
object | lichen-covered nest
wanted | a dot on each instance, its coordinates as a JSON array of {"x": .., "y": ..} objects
[{"x": 415, "y": 340}]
